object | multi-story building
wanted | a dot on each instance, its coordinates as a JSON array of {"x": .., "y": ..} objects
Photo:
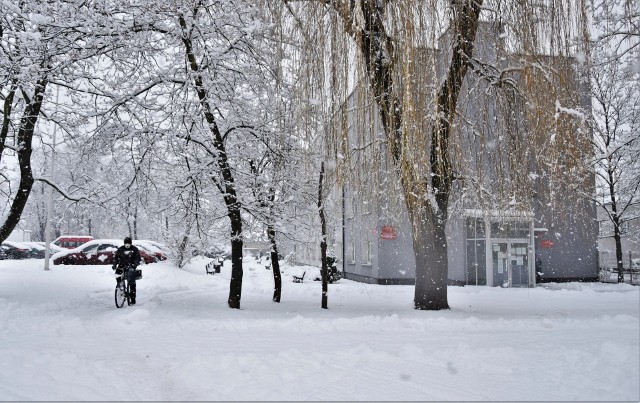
[{"x": 520, "y": 207}]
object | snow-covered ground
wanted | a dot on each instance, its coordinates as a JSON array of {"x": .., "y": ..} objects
[{"x": 62, "y": 338}]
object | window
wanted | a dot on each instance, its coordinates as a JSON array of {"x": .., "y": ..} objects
[
  {"x": 366, "y": 252},
  {"x": 337, "y": 250},
  {"x": 475, "y": 228},
  {"x": 476, "y": 262},
  {"x": 352, "y": 253},
  {"x": 349, "y": 207},
  {"x": 367, "y": 204},
  {"x": 624, "y": 227},
  {"x": 89, "y": 249},
  {"x": 510, "y": 229},
  {"x": 606, "y": 228}
]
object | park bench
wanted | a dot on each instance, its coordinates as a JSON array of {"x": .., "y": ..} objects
[
  {"x": 213, "y": 266},
  {"x": 298, "y": 278}
]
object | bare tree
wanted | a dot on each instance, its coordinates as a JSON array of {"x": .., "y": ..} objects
[
  {"x": 323, "y": 241},
  {"x": 386, "y": 40},
  {"x": 39, "y": 42},
  {"x": 227, "y": 77},
  {"x": 618, "y": 25},
  {"x": 615, "y": 90},
  {"x": 264, "y": 193}
]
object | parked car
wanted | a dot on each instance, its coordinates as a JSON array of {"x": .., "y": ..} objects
[
  {"x": 164, "y": 248},
  {"x": 150, "y": 247},
  {"x": 98, "y": 251},
  {"x": 35, "y": 249},
  {"x": 72, "y": 241},
  {"x": 53, "y": 248},
  {"x": 3, "y": 254},
  {"x": 15, "y": 250},
  {"x": 146, "y": 249}
]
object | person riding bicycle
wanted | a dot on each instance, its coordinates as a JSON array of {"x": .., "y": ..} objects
[{"x": 127, "y": 256}]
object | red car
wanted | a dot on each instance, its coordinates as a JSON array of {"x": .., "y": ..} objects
[
  {"x": 152, "y": 248},
  {"x": 98, "y": 251},
  {"x": 72, "y": 241}
]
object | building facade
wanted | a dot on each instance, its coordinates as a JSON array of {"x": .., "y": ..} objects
[{"x": 543, "y": 230}]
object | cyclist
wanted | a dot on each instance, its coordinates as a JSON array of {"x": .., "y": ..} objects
[{"x": 127, "y": 256}]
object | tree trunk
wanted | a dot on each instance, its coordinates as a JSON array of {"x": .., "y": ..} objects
[
  {"x": 323, "y": 242},
  {"x": 127, "y": 217},
  {"x": 431, "y": 279},
  {"x": 6, "y": 119},
  {"x": 275, "y": 260},
  {"x": 227, "y": 187},
  {"x": 182, "y": 250},
  {"x": 428, "y": 222},
  {"x": 42, "y": 215},
  {"x": 235, "y": 285},
  {"x": 615, "y": 219},
  {"x": 617, "y": 238},
  {"x": 432, "y": 268},
  {"x": 23, "y": 143},
  {"x": 135, "y": 224},
  {"x": 619, "y": 257},
  {"x": 275, "y": 264},
  {"x": 266, "y": 203}
]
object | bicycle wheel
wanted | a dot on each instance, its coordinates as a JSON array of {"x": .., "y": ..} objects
[
  {"x": 128, "y": 294},
  {"x": 121, "y": 294}
]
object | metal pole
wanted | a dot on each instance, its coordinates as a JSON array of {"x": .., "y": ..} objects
[{"x": 49, "y": 193}]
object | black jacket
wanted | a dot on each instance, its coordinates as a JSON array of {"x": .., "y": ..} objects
[{"x": 126, "y": 257}]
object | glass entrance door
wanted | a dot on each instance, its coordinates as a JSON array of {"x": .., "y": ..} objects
[
  {"x": 519, "y": 264},
  {"x": 510, "y": 264},
  {"x": 500, "y": 253}
]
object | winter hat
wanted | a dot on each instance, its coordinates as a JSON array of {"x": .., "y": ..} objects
[{"x": 127, "y": 240}]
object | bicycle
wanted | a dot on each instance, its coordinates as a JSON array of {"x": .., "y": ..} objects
[{"x": 122, "y": 292}]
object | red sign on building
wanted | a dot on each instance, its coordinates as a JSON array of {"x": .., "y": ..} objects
[
  {"x": 388, "y": 232},
  {"x": 546, "y": 243}
]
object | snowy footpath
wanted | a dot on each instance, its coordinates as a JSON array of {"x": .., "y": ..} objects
[{"x": 62, "y": 338}]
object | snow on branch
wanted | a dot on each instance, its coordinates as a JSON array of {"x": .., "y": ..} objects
[
  {"x": 569, "y": 111},
  {"x": 60, "y": 191}
]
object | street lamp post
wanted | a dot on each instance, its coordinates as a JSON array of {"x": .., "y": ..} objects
[{"x": 49, "y": 193}]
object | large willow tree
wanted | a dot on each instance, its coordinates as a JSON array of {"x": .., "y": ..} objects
[{"x": 381, "y": 48}]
